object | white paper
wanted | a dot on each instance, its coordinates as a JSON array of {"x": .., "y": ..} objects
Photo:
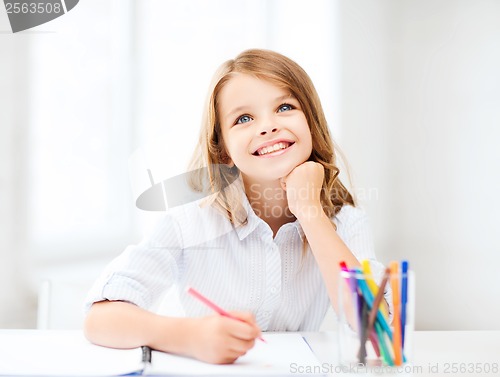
[
  {"x": 272, "y": 358},
  {"x": 62, "y": 353},
  {"x": 68, "y": 353}
]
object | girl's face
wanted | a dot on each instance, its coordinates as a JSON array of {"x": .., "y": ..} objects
[{"x": 265, "y": 132}]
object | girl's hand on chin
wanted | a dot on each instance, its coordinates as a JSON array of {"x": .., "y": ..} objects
[{"x": 303, "y": 189}]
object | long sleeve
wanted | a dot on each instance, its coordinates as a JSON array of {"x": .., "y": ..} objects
[{"x": 142, "y": 272}]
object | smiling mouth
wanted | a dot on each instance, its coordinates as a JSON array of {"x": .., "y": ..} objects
[{"x": 272, "y": 148}]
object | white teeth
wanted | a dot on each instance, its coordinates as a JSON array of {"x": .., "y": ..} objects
[{"x": 273, "y": 148}]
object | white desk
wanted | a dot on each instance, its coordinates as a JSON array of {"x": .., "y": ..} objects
[{"x": 435, "y": 353}]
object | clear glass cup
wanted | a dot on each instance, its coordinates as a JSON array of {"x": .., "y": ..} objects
[{"x": 369, "y": 338}]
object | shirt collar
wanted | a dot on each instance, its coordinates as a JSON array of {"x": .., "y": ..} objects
[
  {"x": 297, "y": 225},
  {"x": 253, "y": 221}
]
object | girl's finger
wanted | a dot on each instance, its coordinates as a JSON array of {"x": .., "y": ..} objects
[
  {"x": 243, "y": 330},
  {"x": 283, "y": 183},
  {"x": 241, "y": 347}
]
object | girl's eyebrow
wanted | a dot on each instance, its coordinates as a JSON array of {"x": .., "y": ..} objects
[{"x": 239, "y": 109}]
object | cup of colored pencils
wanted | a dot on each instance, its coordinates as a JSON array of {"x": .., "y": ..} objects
[{"x": 375, "y": 315}]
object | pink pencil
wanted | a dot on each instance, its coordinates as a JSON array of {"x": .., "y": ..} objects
[{"x": 193, "y": 292}]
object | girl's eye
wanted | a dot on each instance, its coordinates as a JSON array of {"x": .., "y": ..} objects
[
  {"x": 243, "y": 119},
  {"x": 285, "y": 107}
]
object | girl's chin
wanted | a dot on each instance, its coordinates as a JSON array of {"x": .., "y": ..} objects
[
  {"x": 283, "y": 173},
  {"x": 271, "y": 174},
  {"x": 267, "y": 178}
]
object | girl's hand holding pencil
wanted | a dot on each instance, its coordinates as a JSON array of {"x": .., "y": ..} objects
[
  {"x": 218, "y": 339},
  {"x": 222, "y": 338}
]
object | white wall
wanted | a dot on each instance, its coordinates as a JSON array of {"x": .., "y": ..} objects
[
  {"x": 419, "y": 118},
  {"x": 17, "y": 306},
  {"x": 421, "y": 124}
]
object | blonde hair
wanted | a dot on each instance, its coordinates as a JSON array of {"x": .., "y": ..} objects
[{"x": 285, "y": 73}]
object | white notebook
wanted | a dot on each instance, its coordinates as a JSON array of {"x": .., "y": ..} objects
[{"x": 63, "y": 353}]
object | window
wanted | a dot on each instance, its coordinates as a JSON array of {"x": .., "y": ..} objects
[
  {"x": 121, "y": 79},
  {"x": 80, "y": 131}
]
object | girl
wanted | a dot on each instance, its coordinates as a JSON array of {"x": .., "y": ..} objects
[{"x": 266, "y": 245}]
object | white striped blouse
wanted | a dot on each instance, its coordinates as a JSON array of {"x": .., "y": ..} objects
[{"x": 241, "y": 268}]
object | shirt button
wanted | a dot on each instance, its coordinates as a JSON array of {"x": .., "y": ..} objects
[
  {"x": 273, "y": 290},
  {"x": 266, "y": 314}
]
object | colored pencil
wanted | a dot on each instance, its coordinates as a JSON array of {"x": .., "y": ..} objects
[
  {"x": 365, "y": 264},
  {"x": 404, "y": 299},
  {"x": 396, "y": 341}
]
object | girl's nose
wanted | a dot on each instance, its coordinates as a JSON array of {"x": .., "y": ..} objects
[{"x": 265, "y": 130}]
